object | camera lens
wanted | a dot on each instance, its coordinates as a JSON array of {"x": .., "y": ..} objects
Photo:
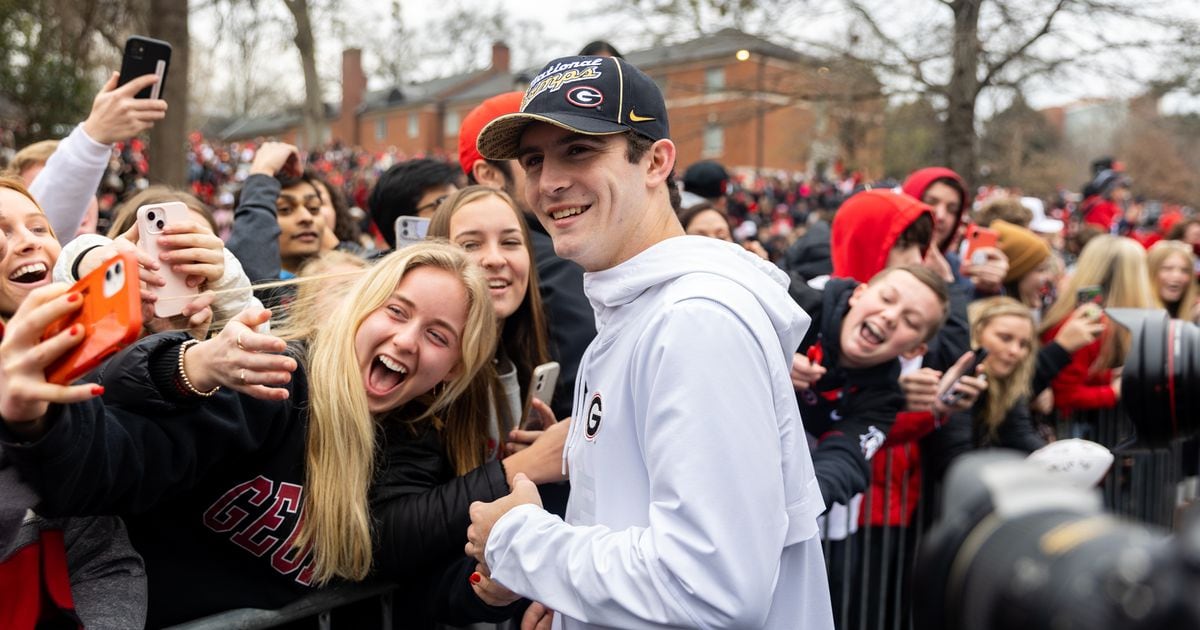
[
  {"x": 160, "y": 224},
  {"x": 150, "y": 215},
  {"x": 1161, "y": 376},
  {"x": 108, "y": 274},
  {"x": 116, "y": 269}
]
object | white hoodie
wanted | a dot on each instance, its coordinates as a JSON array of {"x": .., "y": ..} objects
[{"x": 693, "y": 499}]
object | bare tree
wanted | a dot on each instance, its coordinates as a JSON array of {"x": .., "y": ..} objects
[
  {"x": 314, "y": 105},
  {"x": 168, "y": 21}
]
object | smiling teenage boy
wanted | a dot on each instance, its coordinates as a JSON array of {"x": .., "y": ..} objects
[{"x": 693, "y": 500}]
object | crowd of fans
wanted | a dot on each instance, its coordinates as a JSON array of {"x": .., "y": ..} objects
[{"x": 210, "y": 436}]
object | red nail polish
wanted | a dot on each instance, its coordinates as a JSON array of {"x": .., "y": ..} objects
[
  {"x": 476, "y": 578},
  {"x": 77, "y": 330},
  {"x": 97, "y": 390},
  {"x": 74, "y": 297}
]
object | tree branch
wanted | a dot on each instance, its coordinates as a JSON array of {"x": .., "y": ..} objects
[{"x": 997, "y": 67}]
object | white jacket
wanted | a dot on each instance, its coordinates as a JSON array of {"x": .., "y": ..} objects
[
  {"x": 66, "y": 185},
  {"x": 693, "y": 499}
]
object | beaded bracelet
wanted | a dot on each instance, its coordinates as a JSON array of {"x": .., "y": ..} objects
[{"x": 187, "y": 384}]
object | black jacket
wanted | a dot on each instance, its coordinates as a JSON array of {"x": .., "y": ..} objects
[
  {"x": 850, "y": 411},
  {"x": 966, "y": 431}
]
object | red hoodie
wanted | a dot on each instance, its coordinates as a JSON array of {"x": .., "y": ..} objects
[
  {"x": 866, "y": 227},
  {"x": 920, "y": 181}
]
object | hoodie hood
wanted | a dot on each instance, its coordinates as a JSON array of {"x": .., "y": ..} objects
[
  {"x": 866, "y": 227},
  {"x": 681, "y": 256},
  {"x": 920, "y": 181}
]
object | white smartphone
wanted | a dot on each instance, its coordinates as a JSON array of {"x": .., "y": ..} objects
[
  {"x": 541, "y": 386},
  {"x": 152, "y": 220},
  {"x": 409, "y": 230}
]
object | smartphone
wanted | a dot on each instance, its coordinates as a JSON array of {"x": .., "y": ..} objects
[
  {"x": 409, "y": 230},
  {"x": 951, "y": 397},
  {"x": 145, "y": 56},
  {"x": 111, "y": 316},
  {"x": 1092, "y": 293},
  {"x": 979, "y": 237},
  {"x": 152, "y": 220},
  {"x": 541, "y": 386}
]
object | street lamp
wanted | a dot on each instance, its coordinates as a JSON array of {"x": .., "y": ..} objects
[{"x": 744, "y": 55}]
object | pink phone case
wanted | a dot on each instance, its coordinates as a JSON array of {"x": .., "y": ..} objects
[{"x": 152, "y": 219}]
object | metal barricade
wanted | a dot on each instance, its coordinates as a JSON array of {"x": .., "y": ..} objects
[{"x": 869, "y": 556}]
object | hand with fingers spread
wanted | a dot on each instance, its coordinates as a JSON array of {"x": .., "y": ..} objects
[
  {"x": 537, "y": 617},
  {"x": 117, "y": 115},
  {"x": 24, "y": 356},
  {"x": 489, "y": 591},
  {"x": 968, "y": 386},
  {"x": 485, "y": 515},
  {"x": 920, "y": 389},
  {"x": 241, "y": 359}
]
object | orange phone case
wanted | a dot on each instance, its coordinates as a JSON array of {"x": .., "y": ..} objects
[
  {"x": 111, "y": 316},
  {"x": 979, "y": 238}
]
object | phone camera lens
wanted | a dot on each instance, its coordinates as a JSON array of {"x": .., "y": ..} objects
[
  {"x": 108, "y": 274},
  {"x": 117, "y": 269},
  {"x": 160, "y": 224},
  {"x": 150, "y": 215}
]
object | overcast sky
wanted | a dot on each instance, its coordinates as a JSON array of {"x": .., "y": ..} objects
[{"x": 564, "y": 32}]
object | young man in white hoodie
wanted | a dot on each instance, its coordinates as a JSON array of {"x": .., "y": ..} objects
[{"x": 693, "y": 500}]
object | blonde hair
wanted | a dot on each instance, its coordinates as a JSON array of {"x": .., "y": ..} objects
[
  {"x": 1118, "y": 266},
  {"x": 340, "y": 453},
  {"x": 525, "y": 338},
  {"x": 1156, "y": 258},
  {"x": 1003, "y": 393},
  {"x": 125, "y": 214},
  {"x": 36, "y": 154}
]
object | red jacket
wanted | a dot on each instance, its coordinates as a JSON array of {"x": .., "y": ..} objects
[
  {"x": 1076, "y": 387},
  {"x": 1100, "y": 212}
]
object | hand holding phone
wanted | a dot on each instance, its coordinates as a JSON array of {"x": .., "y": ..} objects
[
  {"x": 143, "y": 56},
  {"x": 952, "y": 396},
  {"x": 111, "y": 317},
  {"x": 152, "y": 219},
  {"x": 979, "y": 238},
  {"x": 542, "y": 382}
]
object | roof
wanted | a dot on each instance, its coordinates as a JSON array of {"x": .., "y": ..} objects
[
  {"x": 724, "y": 43},
  {"x": 270, "y": 124},
  {"x": 423, "y": 92}
]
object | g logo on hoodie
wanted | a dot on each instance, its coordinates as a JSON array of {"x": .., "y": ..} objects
[{"x": 593, "y": 418}]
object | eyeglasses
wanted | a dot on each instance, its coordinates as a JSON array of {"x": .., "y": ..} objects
[{"x": 432, "y": 206}]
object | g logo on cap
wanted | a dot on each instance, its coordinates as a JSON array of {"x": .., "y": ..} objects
[{"x": 585, "y": 96}]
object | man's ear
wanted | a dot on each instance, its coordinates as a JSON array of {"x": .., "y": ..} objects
[
  {"x": 488, "y": 175},
  {"x": 662, "y": 162},
  {"x": 857, "y": 292},
  {"x": 918, "y": 351}
]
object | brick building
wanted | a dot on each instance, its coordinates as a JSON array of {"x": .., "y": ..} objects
[{"x": 733, "y": 97}]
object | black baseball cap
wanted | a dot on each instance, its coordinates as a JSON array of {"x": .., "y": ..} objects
[{"x": 595, "y": 96}]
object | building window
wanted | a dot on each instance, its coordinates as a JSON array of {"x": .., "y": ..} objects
[
  {"x": 714, "y": 140},
  {"x": 414, "y": 126},
  {"x": 380, "y": 128},
  {"x": 714, "y": 80},
  {"x": 451, "y": 126}
]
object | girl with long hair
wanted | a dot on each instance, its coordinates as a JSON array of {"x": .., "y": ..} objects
[
  {"x": 487, "y": 225},
  {"x": 1117, "y": 265},
  {"x": 1000, "y": 417},
  {"x": 251, "y": 467},
  {"x": 1172, "y": 271}
]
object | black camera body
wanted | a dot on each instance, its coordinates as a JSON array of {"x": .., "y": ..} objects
[{"x": 1019, "y": 549}]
